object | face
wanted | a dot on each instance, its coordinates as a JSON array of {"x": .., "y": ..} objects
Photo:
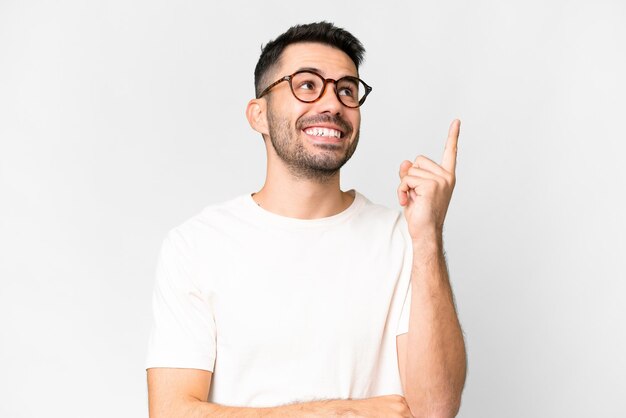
[{"x": 314, "y": 140}]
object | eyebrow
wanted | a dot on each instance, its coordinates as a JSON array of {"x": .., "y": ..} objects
[
  {"x": 316, "y": 70},
  {"x": 320, "y": 72}
]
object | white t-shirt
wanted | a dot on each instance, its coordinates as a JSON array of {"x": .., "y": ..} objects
[{"x": 282, "y": 309}]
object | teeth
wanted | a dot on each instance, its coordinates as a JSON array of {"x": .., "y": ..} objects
[{"x": 323, "y": 132}]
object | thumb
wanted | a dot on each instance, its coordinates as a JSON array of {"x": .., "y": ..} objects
[{"x": 404, "y": 168}]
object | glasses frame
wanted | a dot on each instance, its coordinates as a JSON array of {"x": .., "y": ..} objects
[{"x": 289, "y": 77}]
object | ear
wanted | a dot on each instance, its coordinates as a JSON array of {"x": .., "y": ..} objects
[{"x": 256, "y": 112}]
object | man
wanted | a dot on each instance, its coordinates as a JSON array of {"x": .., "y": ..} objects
[{"x": 302, "y": 299}]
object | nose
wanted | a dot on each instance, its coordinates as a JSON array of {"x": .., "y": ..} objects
[{"x": 329, "y": 100}]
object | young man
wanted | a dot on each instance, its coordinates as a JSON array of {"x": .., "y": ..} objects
[{"x": 302, "y": 299}]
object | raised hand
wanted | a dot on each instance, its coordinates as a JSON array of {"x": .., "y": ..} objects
[{"x": 426, "y": 187}]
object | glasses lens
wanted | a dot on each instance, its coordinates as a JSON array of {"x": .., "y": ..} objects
[
  {"x": 307, "y": 86},
  {"x": 351, "y": 91}
]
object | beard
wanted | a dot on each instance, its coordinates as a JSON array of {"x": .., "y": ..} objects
[{"x": 304, "y": 164}]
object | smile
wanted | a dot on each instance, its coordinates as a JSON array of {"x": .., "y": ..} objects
[
  {"x": 317, "y": 135},
  {"x": 327, "y": 132},
  {"x": 324, "y": 134}
]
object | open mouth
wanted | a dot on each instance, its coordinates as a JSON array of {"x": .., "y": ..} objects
[{"x": 324, "y": 134}]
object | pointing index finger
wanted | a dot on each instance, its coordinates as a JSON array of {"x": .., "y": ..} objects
[{"x": 449, "y": 154}]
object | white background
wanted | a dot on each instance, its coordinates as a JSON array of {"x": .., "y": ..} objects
[{"x": 121, "y": 119}]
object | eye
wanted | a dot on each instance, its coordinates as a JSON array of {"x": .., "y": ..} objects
[
  {"x": 306, "y": 84},
  {"x": 348, "y": 87},
  {"x": 345, "y": 91}
]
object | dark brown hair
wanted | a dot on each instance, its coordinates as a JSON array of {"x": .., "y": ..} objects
[{"x": 321, "y": 32}]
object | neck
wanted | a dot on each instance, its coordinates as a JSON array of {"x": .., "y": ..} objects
[{"x": 290, "y": 196}]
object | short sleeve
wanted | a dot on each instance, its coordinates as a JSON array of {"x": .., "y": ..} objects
[
  {"x": 405, "y": 276},
  {"x": 183, "y": 329},
  {"x": 403, "y": 323}
]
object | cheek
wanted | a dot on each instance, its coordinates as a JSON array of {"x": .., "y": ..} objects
[
  {"x": 296, "y": 115},
  {"x": 356, "y": 121}
]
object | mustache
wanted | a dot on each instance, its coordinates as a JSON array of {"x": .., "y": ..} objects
[{"x": 345, "y": 126}]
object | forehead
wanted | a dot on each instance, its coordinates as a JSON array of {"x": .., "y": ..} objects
[{"x": 331, "y": 62}]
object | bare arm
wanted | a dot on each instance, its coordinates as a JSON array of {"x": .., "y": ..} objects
[
  {"x": 176, "y": 393},
  {"x": 431, "y": 355}
]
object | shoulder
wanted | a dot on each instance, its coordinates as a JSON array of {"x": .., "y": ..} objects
[
  {"x": 381, "y": 219},
  {"x": 379, "y": 213},
  {"x": 206, "y": 224}
]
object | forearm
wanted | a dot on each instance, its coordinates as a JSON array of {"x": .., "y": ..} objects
[
  {"x": 324, "y": 408},
  {"x": 436, "y": 359}
]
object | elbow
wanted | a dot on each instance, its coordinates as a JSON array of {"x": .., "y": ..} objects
[
  {"x": 440, "y": 413},
  {"x": 441, "y": 401},
  {"x": 444, "y": 409}
]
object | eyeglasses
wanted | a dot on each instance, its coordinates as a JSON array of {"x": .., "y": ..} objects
[{"x": 308, "y": 87}]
